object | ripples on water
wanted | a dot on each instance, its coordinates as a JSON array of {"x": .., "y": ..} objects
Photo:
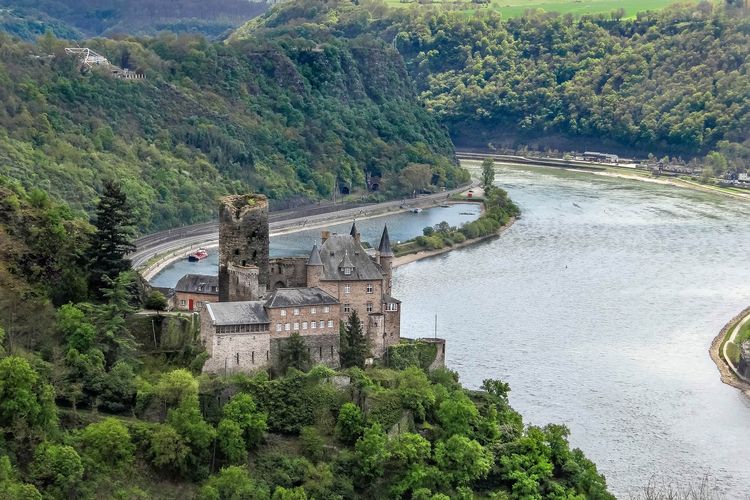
[{"x": 598, "y": 306}]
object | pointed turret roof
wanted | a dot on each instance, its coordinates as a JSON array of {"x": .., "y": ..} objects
[
  {"x": 385, "y": 244},
  {"x": 353, "y": 232},
  {"x": 346, "y": 262},
  {"x": 314, "y": 259}
]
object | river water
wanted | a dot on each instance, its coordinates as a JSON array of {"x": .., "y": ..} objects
[{"x": 598, "y": 307}]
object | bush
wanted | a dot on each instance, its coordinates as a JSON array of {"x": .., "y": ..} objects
[
  {"x": 349, "y": 424},
  {"x": 107, "y": 444},
  {"x": 312, "y": 443}
]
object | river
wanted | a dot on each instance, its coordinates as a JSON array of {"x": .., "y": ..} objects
[{"x": 598, "y": 307}]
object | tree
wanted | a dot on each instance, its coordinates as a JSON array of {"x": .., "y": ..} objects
[
  {"x": 11, "y": 488},
  {"x": 232, "y": 483},
  {"x": 107, "y": 444},
  {"x": 415, "y": 177},
  {"x": 294, "y": 354},
  {"x": 353, "y": 348},
  {"x": 231, "y": 441},
  {"x": 114, "y": 337},
  {"x": 371, "y": 453},
  {"x": 113, "y": 238},
  {"x": 457, "y": 414},
  {"x": 312, "y": 443},
  {"x": 156, "y": 301},
  {"x": 27, "y": 407},
  {"x": 168, "y": 450},
  {"x": 463, "y": 459},
  {"x": 57, "y": 469},
  {"x": 415, "y": 391},
  {"x": 177, "y": 386},
  {"x": 488, "y": 174},
  {"x": 281, "y": 493},
  {"x": 242, "y": 410},
  {"x": 349, "y": 424}
]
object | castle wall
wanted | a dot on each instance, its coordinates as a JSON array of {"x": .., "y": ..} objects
[
  {"x": 393, "y": 327},
  {"x": 287, "y": 272},
  {"x": 243, "y": 238},
  {"x": 322, "y": 348}
]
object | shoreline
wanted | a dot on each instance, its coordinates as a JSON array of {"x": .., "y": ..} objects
[
  {"x": 726, "y": 373},
  {"x": 426, "y": 254}
]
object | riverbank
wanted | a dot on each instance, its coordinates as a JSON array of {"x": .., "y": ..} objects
[
  {"x": 608, "y": 170},
  {"x": 426, "y": 254},
  {"x": 716, "y": 351}
]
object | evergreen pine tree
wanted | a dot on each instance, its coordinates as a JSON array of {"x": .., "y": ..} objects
[
  {"x": 353, "y": 349},
  {"x": 294, "y": 354},
  {"x": 113, "y": 238}
]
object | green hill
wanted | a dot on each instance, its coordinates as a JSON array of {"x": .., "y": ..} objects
[{"x": 291, "y": 116}]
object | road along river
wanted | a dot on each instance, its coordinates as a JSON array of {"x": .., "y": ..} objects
[{"x": 598, "y": 307}]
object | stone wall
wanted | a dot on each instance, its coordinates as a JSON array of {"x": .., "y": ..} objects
[
  {"x": 322, "y": 348},
  {"x": 743, "y": 367},
  {"x": 243, "y": 238},
  {"x": 233, "y": 352},
  {"x": 287, "y": 272},
  {"x": 199, "y": 299}
]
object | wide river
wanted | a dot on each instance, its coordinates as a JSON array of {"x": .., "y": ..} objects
[{"x": 598, "y": 307}]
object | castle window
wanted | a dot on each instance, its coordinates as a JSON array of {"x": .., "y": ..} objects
[
  {"x": 238, "y": 358},
  {"x": 266, "y": 355},
  {"x": 313, "y": 310},
  {"x": 214, "y": 288},
  {"x": 330, "y": 323},
  {"x": 296, "y": 326},
  {"x": 347, "y": 271},
  {"x": 322, "y": 324},
  {"x": 326, "y": 309},
  {"x": 321, "y": 352},
  {"x": 278, "y": 327},
  {"x": 331, "y": 351},
  {"x": 287, "y": 327},
  {"x": 283, "y": 312},
  {"x": 347, "y": 288},
  {"x": 347, "y": 308},
  {"x": 391, "y": 306},
  {"x": 252, "y": 359},
  {"x": 313, "y": 325},
  {"x": 369, "y": 307},
  {"x": 369, "y": 288},
  {"x": 304, "y": 325},
  {"x": 182, "y": 303},
  {"x": 296, "y": 311}
]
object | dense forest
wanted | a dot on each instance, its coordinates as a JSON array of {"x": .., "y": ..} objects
[
  {"x": 293, "y": 117},
  {"x": 672, "y": 82},
  {"x": 78, "y": 19},
  {"x": 98, "y": 402}
]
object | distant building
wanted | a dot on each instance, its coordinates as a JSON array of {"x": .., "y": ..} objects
[
  {"x": 193, "y": 291},
  {"x": 264, "y": 301},
  {"x": 600, "y": 157}
]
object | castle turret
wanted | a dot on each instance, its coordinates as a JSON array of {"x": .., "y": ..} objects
[
  {"x": 243, "y": 283},
  {"x": 354, "y": 233},
  {"x": 243, "y": 242},
  {"x": 314, "y": 268},
  {"x": 385, "y": 259}
]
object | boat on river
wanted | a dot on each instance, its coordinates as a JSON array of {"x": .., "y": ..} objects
[{"x": 198, "y": 255}]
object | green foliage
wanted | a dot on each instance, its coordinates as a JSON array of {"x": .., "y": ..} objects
[
  {"x": 457, "y": 414},
  {"x": 312, "y": 443},
  {"x": 411, "y": 354},
  {"x": 196, "y": 433},
  {"x": 242, "y": 410},
  {"x": 488, "y": 174},
  {"x": 415, "y": 391},
  {"x": 177, "y": 386},
  {"x": 231, "y": 441},
  {"x": 232, "y": 483},
  {"x": 106, "y": 445},
  {"x": 11, "y": 488},
  {"x": 281, "y": 493},
  {"x": 293, "y": 353},
  {"x": 112, "y": 238},
  {"x": 353, "y": 347},
  {"x": 27, "y": 409},
  {"x": 168, "y": 450},
  {"x": 291, "y": 114},
  {"x": 350, "y": 423},
  {"x": 156, "y": 301},
  {"x": 57, "y": 470},
  {"x": 371, "y": 453},
  {"x": 463, "y": 458}
]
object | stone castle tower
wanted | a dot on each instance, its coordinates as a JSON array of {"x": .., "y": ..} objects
[{"x": 243, "y": 247}]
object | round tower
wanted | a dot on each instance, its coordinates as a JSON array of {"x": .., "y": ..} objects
[
  {"x": 243, "y": 243},
  {"x": 314, "y": 268},
  {"x": 385, "y": 259}
]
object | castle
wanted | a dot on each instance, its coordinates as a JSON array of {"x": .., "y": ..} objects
[{"x": 263, "y": 301}]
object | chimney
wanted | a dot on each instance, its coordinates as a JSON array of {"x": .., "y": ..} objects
[{"x": 324, "y": 235}]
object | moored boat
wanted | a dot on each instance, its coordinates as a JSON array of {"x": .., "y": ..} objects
[{"x": 199, "y": 254}]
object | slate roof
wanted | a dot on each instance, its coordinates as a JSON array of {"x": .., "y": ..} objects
[
  {"x": 388, "y": 299},
  {"x": 339, "y": 246},
  {"x": 314, "y": 259},
  {"x": 192, "y": 283},
  {"x": 237, "y": 313},
  {"x": 300, "y": 297},
  {"x": 385, "y": 244}
]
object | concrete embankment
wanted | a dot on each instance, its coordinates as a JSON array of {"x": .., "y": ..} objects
[{"x": 728, "y": 372}]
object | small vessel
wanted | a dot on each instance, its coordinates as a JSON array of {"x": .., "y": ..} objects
[
  {"x": 416, "y": 210},
  {"x": 199, "y": 254}
]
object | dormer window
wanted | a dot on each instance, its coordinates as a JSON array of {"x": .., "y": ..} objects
[{"x": 347, "y": 271}]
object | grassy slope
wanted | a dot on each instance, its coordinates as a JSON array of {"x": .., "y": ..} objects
[{"x": 516, "y": 8}]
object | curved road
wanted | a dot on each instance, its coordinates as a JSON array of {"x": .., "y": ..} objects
[{"x": 163, "y": 242}]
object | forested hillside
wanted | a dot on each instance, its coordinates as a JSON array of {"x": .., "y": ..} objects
[
  {"x": 675, "y": 82},
  {"x": 293, "y": 116},
  {"x": 86, "y": 18}
]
